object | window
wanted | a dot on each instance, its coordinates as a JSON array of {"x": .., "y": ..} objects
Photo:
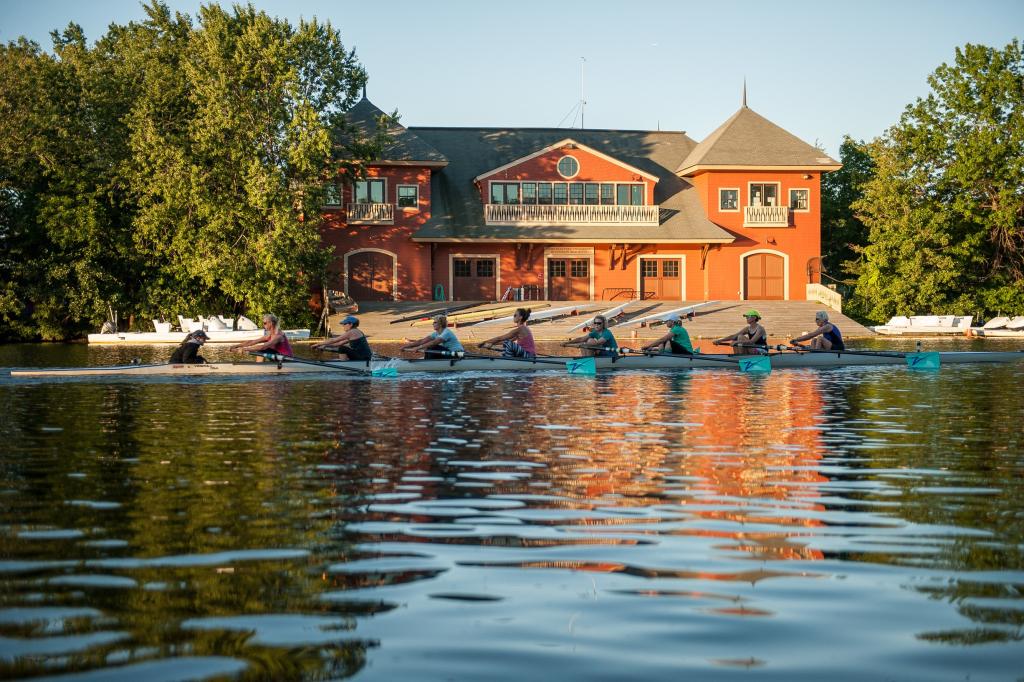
[
  {"x": 728, "y": 199},
  {"x": 485, "y": 268},
  {"x": 556, "y": 268},
  {"x": 580, "y": 268},
  {"x": 504, "y": 192},
  {"x": 568, "y": 167},
  {"x": 408, "y": 196},
  {"x": 575, "y": 192},
  {"x": 561, "y": 192},
  {"x": 764, "y": 194},
  {"x": 649, "y": 268},
  {"x": 543, "y": 192},
  {"x": 607, "y": 193},
  {"x": 460, "y": 268},
  {"x": 630, "y": 194},
  {"x": 331, "y": 195},
  {"x": 669, "y": 268},
  {"x": 369, "y": 192},
  {"x": 590, "y": 196},
  {"x": 800, "y": 199},
  {"x": 529, "y": 192}
]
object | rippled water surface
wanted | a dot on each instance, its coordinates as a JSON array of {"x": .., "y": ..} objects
[{"x": 849, "y": 524}]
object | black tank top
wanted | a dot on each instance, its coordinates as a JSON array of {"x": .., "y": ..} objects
[{"x": 358, "y": 349}]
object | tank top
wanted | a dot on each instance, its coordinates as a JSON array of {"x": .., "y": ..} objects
[
  {"x": 835, "y": 337},
  {"x": 282, "y": 347},
  {"x": 359, "y": 349},
  {"x": 527, "y": 343}
]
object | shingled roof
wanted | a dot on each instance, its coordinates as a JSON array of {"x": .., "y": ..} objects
[
  {"x": 457, "y": 212},
  {"x": 749, "y": 140},
  {"x": 405, "y": 147}
]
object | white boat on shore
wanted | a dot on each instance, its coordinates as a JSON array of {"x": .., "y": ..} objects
[
  {"x": 218, "y": 330},
  {"x": 1001, "y": 327},
  {"x": 925, "y": 325}
]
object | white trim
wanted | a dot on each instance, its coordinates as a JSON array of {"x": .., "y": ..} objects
[
  {"x": 497, "y": 271},
  {"x": 561, "y": 252},
  {"x": 368, "y": 179},
  {"x": 789, "y": 199},
  {"x": 408, "y": 208},
  {"x": 739, "y": 198},
  {"x": 560, "y": 145},
  {"x": 743, "y": 271},
  {"x": 579, "y": 167},
  {"x": 690, "y": 170},
  {"x": 670, "y": 256},
  {"x": 597, "y": 240},
  {"x": 778, "y": 192},
  {"x": 394, "y": 269}
]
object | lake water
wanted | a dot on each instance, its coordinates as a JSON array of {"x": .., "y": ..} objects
[{"x": 848, "y": 524}]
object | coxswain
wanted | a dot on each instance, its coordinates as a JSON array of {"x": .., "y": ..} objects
[
  {"x": 351, "y": 344},
  {"x": 440, "y": 342},
  {"x": 273, "y": 339},
  {"x": 187, "y": 352},
  {"x": 599, "y": 341},
  {"x": 751, "y": 340},
  {"x": 677, "y": 339},
  {"x": 826, "y": 337},
  {"x": 517, "y": 342}
]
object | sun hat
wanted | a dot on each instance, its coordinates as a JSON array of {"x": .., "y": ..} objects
[
  {"x": 752, "y": 313},
  {"x": 672, "y": 318},
  {"x": 351, "y": 319}
]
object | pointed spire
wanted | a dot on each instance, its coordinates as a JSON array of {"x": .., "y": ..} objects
[
  {"x": 744, "y": 92},
  {"x": 364, "y": 92}
]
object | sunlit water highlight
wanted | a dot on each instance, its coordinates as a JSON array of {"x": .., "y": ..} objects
[{"x": 861, "y": 523}]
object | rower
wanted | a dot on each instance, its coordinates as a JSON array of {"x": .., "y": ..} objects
[
  {"x": 187, "y": 352},
  {"x": 441, "y": 340},
  {"x": 599, "y": 342},
  {"x": 273, "y": 339},
  {"x": 517, "y": 342},
  {"x": 751, "y": 340},
  {"x": 351, "y": 343},
  {"x": 826, "y": 337},
  {"x": 677, "y": 339}
]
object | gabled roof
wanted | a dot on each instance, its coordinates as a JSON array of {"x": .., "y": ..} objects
[
  {"x": 457, "y": 213},
  {"x": 748, "y": 141},
  {"x": 558, "y": 145},
  {"x": 405, "y": 147}
]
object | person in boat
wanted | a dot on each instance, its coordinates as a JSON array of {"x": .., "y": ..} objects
[
  {"x": 273, "y": 339},
  {"x": 599, "y": 341},
  {"x": 439, "y": 342},
  {"x": 751, "y": 340},
  {"x": 188, "y": 352},
  {"x": 351, "y": 344},
  {"x": 517, "y": 342},
  {"x": 677, "y": 339},
  {"x": 826, "y": 337}
]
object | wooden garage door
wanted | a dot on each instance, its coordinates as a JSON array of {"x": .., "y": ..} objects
[
  {"x": 474, "y": 279},
  {"x": 371, "y": 276},
  {"x": 660, "y": 278},
  {"x": 765, "y": 277},
  {"x": 568, "y": 279}
]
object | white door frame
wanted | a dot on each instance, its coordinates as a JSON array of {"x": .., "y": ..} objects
[
  {"x": 578, "y": 253},
  {"x": 394, "y": 268}
]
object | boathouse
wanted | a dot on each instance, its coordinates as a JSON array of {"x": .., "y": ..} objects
[{"x": 575, "y": 214}]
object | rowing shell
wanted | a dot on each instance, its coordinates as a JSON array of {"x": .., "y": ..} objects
[{"x": 476, "y": 364}]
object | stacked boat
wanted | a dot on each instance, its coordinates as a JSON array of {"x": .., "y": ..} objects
[
  {"x": 925, "y": 325},
  {"x": 1001, "y": 327},
  {"x": 218, "y": 328}
]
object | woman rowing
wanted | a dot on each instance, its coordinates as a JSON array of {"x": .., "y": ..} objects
[
  {"x": 351, "y": 344},
  {"x": 677, "y": 339},
  {"x": 439, "y": 343},
  {"x": 187, "y": 352},
  {"x": 751, "y": 340},
  {"x": 273, "y": 339},
  {"x": 826, "y": 337},
  {"x": 517, "y": 342},
  {"x": 599, "y": 341}
]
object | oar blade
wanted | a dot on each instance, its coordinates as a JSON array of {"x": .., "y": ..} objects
[
  {"x": 930, "y": 360},
  {"x": 755, "y": 363},
  {"x": 384, "y": 372},
  {"x": 582, "y": 366}
]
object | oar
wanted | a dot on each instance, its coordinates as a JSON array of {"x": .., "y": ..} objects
[
  {"x": 278, "y": 358},
  {"x": 573, "y": 366},
  {"x": 917, "y": 360},
  {"x": 750, "y": 363}
]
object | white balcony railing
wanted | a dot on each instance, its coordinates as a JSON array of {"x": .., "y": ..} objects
[
  {"x": 562, "y": 214},
  {"x": 371, "y": 214},
  {"x": 822, "y": 294},
  {"x": 765, "y": 216}
]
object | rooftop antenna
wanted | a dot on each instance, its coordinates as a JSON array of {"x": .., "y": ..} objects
[
  {"x": 744, "y": 92},
  {"x": 583, "y": 101}
]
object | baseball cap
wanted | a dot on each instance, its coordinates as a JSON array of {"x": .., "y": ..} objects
[
  {"x": 672, "y": 318},
  {"x": 199, "y": 333},
  {"x": 351, "y": 319},
  {"x": 752, "y": 313}
]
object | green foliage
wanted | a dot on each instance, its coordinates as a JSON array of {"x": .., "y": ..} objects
[
  {"x": 842, "y": 231},
  {"x": 945, "y": 204},
  {"x": 166, "y": 168}
]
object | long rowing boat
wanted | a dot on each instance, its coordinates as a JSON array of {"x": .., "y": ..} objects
[{"x": 476, "y": 363}]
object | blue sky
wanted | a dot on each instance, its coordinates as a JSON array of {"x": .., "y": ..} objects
[{"x": 819, "y": 69}]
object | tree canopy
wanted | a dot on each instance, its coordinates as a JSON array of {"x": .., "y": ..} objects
[
  {"x": 174, "y": 166},
  {"x": 944, "y": 203}
]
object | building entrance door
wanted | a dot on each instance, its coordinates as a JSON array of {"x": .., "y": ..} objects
[
  {"x": 660, "y": 279},
  {"x": 474, "y": 279},
  {"x": 568, "y": 279},
  {"x": 765, "y": 275},
  {"x": 371, "y": 276}
]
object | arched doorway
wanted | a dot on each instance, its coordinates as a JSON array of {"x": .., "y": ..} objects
[
  {"x": 764, "y": 276},
  {"x": 371, "y": 275}
]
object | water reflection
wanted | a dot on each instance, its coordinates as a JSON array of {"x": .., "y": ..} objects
[{"x": 647, "y": 525}]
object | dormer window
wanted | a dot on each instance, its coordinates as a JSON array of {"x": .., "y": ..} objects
[{"x": 568, "y": 167}]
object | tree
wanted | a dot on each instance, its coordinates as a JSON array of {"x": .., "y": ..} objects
[
  {"x": 945, "y": 206},
  {"x": 842, "y": 232}
]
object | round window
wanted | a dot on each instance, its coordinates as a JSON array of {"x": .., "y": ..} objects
[{"x": 568, "y": 167}]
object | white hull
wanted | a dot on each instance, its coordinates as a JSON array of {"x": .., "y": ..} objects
[
  {"x": 926, "y": 325},
  {"x": 133, "y": 338},
  {"x": 1000, "y": 333},
  {"x": 778, "y": 361}
]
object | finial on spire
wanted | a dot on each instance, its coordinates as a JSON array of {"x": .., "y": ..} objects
[
  {"x": 364, "y": 93},
  {"x": 744, "y": 92}
]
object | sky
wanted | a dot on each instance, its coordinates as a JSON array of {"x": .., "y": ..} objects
[{"x": 821, "y": 70}]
